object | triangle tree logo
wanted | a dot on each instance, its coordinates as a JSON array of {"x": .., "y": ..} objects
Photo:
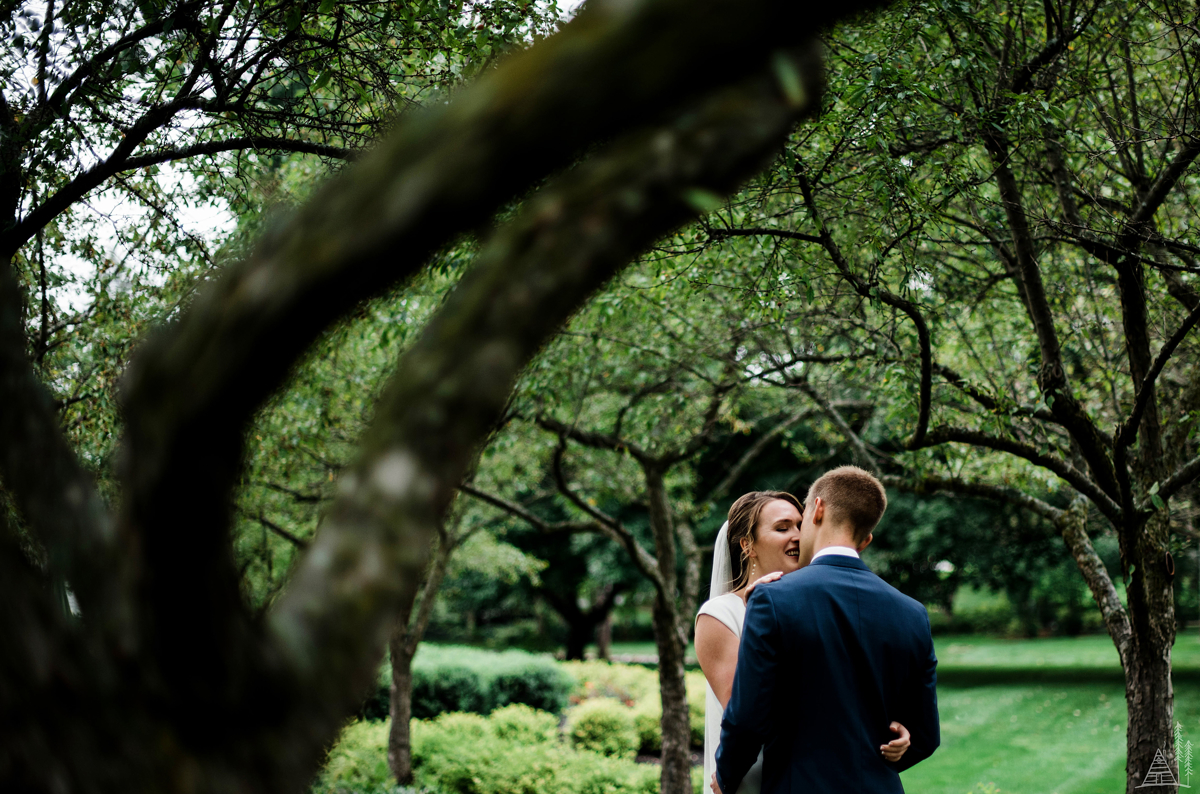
[{"x": 1160, "y": 774}]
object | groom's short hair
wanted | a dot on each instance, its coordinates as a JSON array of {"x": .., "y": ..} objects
[{"x": 852, "y": 495}]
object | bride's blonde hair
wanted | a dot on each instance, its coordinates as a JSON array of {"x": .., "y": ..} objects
[{"x": 743, "y": 526}]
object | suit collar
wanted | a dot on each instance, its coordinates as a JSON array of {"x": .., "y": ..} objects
[{"x": 841, "y": 561}]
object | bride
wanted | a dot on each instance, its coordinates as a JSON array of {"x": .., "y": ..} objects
[{"x": 759, "y": 543}]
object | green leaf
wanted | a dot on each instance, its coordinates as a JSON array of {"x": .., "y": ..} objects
[
  {"x": 702, "y": 200},
  {"x": 788, "y": 75}
]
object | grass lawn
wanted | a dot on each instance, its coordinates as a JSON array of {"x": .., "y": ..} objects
[
  {"x": 1062, "y": 739},
  {"x": 1005, "y": 730},
  {"x": 1093, "y": 650},
  {"x": 1054, "y": 737}
]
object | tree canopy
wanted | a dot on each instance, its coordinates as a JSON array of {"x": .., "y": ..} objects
[{"x": 972, "y": 271}]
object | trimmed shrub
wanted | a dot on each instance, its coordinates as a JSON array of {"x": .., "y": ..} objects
[
  {"x": 448, "y": 689},
  {"x": 605, "y": 726},
  {"x": 524, "y": 725},
  {"x": 449, "y": 678},
  {"x": 628, "y": 683},
  {"x": 358, "y": 762},
  {"x": 637, "y": 686},
  {"x": 447, "y": 762},
  {"x": 647, "y": 720},
  {"x": 536, "y": 684}
]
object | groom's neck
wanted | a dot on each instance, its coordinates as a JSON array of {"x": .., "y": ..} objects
[{"x": 835, "y": 536}]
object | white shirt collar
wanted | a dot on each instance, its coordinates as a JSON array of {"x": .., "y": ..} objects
[{"x": 844, "y": 551}]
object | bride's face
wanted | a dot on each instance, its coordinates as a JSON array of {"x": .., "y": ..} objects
[{"x": 777, "y": 538}]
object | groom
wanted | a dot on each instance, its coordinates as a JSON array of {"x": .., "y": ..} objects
[{"x": 830, "y": 656}]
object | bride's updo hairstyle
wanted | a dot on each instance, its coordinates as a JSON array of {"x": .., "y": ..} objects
[{"x": 743, "y": 526}]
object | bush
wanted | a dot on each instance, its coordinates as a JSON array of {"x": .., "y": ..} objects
[
  {"x": 605, "y": 726},
  {"x": 628, "y": 683},
  {"x": 647, "y": 720},
  {"x": 450, "y": 756},
  {"x": 449, "y": 678},
  {"x": 448, "y": 689},
  {"x": 637, "y": 686},
  {"x": 539, "y": 685},
  {"x": 358, "y": 762},
  {"x": 524, "y": 725}
]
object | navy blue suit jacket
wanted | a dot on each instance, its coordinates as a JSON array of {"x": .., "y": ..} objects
[{"x": 830, "y": 655}]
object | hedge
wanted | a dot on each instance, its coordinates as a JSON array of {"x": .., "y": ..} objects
[
  {"x": 464, "y": 754},
  {"x": 454, "y": 678}
]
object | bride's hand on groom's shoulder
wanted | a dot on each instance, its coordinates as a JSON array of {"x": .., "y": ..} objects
[
  {"x": 896, "y": 747},
  {"x": 771, "y": 577}
]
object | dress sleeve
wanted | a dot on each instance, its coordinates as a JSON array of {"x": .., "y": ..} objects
[{"x": 721, "y": 609}]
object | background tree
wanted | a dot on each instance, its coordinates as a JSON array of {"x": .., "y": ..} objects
[
  {"x": 627, "y": 399},
  {"x": 130, "y": 129},
  {"x": 991, "y": 225},
  {"x": 460, "y": 529}
]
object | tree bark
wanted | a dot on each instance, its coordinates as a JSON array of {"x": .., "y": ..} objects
[
  {"x": 403, "y": 648},
  {"x": 581, "y": 625},
  {"x": 676, "y": 729},
  {"x": 671, "y": 638},
  {"x": 579, "y": 634},
  {"x": 1149, "y": 692},
  {"x": 399, "y": 752},
  {"x": 604, "y": 638}
]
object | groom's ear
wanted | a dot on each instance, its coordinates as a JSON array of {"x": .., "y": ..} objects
[
  {"x": 818, "y": 510},
  {"x": 866, "y": 542}
]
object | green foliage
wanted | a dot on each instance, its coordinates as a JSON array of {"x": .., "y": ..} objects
[
  {"x": 1074, "y": 727},
  {"x": 448, "y": 688},
  {"x": 458, "y": 757},
  {"x": 696, "y": 690},
  {"x": 358, "y": 762},
  {"x": 450, "y": 678},
  {"x": 636, "y": 687},
  {"x": 974, "y": 611},
  {"x": 647, "y": 721},
  {"x": 605, "y": 726},
  {"x": 628, "y": 683},
  {"x": 524, "y": 725}
]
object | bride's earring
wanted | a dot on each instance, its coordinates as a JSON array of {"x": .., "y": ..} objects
[{"x": 753, "y": 568}]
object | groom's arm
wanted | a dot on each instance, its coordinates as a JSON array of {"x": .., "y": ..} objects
[
  {"x": 921, "y": 712},
  {"x": 748, "y": 717}
]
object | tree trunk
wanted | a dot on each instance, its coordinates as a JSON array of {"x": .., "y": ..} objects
[
  {"x": 672, "y": 643},
  {"x": 403, "y": 647},
  {"x": 1148, "y": 688},
  {"x": 580, "y": 624},
  {"x": 579, "y": 634},
  {"x": 399, "y": 754},
  {"x": 676, "y": 729},
  {"x": 604, "y": 638}
]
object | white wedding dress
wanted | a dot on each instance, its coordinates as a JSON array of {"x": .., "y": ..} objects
[{"x": 728, "y": 608}]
